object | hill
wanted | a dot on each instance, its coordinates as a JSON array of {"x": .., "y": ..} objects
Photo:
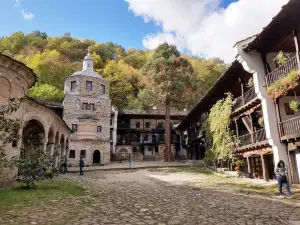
[{"x": 54, "y": 58}]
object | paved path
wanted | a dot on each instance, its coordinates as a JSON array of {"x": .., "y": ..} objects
[
  {"x": 158, "y": 198},
  {"x": 135, "y": 165}
]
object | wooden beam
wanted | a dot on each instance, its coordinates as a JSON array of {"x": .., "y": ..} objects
[
  {"x": 237, "y": 128},
  {"x": 276, "y": 101},
  {"x": 296, "y": 40},
  {"x": 250, "y": 172},
  {"x": 265, "y": 172}
]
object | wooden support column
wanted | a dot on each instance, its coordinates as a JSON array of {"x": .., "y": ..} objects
[
  {"x": 296, "y": 39},
  {"x": 290, "y": 167},
  {"x": 250, "y": 172},
  {"x": 264, "y": 167},
  {"x": 242, "y": 89},
  {"x": 237, "y": 128},
  {"x": 267, "y": 68},
  {"x": 276, "y": 102},
  {"x": 252, "y": 129}
]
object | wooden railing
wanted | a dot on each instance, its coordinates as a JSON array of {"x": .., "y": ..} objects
[
  {"x": 244, "y": 99},
  {"x": 142, "y": 127},
  {"x": 282, "y": 71},
  {"x": 252, "y": 138},
  {"x": 289, "y": 127}
]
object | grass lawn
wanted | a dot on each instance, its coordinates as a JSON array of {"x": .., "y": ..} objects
[{"x": 46, "y": 190}]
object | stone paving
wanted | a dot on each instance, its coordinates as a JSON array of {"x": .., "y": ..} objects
[
  {"x": 151, "y": 197},
  {"x": 134, "y": 165}
]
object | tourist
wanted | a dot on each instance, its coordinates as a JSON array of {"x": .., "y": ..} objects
[
  {"x": 81, "y": 165},
  {"x": 282, "y": 178}
]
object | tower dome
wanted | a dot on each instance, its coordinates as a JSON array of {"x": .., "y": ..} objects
[{"x": 87, "y": 68}]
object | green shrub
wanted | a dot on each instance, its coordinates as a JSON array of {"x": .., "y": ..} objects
[{"x": 48, "y": 174}]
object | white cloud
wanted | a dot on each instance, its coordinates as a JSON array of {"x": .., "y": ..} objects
[
  {"x": 26, "y": 16},
  {"x": 17, "y": 3},
  {"x": 203, "y": 27}
]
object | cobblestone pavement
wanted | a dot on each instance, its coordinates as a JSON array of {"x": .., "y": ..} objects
[{"x": 151, "y": 197}]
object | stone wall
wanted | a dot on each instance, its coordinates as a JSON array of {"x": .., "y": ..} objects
[{"x": 87, "y": 137}]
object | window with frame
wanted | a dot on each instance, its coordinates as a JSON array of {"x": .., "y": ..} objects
[
  {"x": 99, "y": 129},
  {"x": 14, "y": 143},
  {"x": 146, "y": 137},
  {"x": 73, "y": 85},
  {"x": 92, "y": 107},
  {"x": 102, "y": 89},
  {"x": 84, "y": 106},
  {"x": 160, "y": 125},
  {"x": 74, "y": 127},
  {"x": 89, "y": 86},
  {"x": 138, "y": 125},
  {"x": 72, "y": 154},
  {"x": 288, "y": 110},
  {"x": 83, "y": 153},
  {"x": 147, "y": 125}
]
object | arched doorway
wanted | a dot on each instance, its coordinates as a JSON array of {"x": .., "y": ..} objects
[
  {"x": 33, "y": 135},
  {"x": 96, "y": 157}
]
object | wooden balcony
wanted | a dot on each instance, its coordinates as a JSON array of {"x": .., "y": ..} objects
[
  {"x": 253, "y": 140},
  {"x": 282, "y": 71},
  {"x": 246, "y": 101},
  {"x": 290, "y": 129},
  {"x": 142, "y": 127}
]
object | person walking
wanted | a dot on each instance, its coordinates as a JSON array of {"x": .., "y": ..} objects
[
  {"x": 81, "y": 165},
  {"x": 282, "y": 178}
]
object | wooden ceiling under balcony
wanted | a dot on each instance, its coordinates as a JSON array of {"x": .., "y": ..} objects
[{"x": 278, "y": 35}]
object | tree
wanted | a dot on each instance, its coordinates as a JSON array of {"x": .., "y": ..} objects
[
  {"x": 46, "y": 92},
  {"x": 222, "y": 141},
  {"x": 9, "y": 129},
  {"x": 170, "y": 83},
  {"x": 51, "y": 67},
  {"x": 120, "y": 90},
  {"x": 13, "y": 45},
  {"x": 32, "y": 167}
]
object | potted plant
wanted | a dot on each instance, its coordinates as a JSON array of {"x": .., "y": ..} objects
[
  {"x": 294, "y": 105},
  {"x": 281, "y": 58},
  {"x": 238, "y": 163},
  {"x": 261, "y": 122},
  {"x": 250, "y": 83}
]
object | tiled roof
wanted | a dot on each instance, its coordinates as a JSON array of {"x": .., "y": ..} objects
[{"x": 50, "y": 104}]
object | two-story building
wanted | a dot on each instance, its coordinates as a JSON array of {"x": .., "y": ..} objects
[
  {"x": 267, "y": 128},
  {"x": 142, "y": 133}
]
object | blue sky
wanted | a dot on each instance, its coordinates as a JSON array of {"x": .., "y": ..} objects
[{"x": 101, "y": 20}]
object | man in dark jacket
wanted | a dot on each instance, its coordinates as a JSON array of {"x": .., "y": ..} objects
[{"x": 81, "y": 165}]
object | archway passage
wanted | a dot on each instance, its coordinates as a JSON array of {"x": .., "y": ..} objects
[
  {"x": 33, "y": 135},
  {"x": 96, "y": 157}
]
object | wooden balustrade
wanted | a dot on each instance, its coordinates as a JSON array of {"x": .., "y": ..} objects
[
  {"x": 290, "y": 127},
  {"x": 283, "y": 70},
  {"x": 244, "y": 99},
  {"x": 252, "y": 138}
]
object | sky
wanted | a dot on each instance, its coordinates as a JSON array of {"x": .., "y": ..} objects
[{"x": 205, "y": 28}]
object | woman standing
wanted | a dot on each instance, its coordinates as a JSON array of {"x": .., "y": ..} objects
[{"x": 282, "y": 178}]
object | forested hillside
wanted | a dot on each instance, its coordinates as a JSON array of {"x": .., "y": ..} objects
[{"x": 54, "y": 58}]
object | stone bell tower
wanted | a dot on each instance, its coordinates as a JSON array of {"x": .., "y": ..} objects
[{"x": 87, "y": 111}]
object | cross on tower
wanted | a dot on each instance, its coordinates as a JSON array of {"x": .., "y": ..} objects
[{"x": 89, "y": 50}]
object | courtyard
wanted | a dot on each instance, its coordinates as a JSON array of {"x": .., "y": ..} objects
[{"x": 185, "y": 195}]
